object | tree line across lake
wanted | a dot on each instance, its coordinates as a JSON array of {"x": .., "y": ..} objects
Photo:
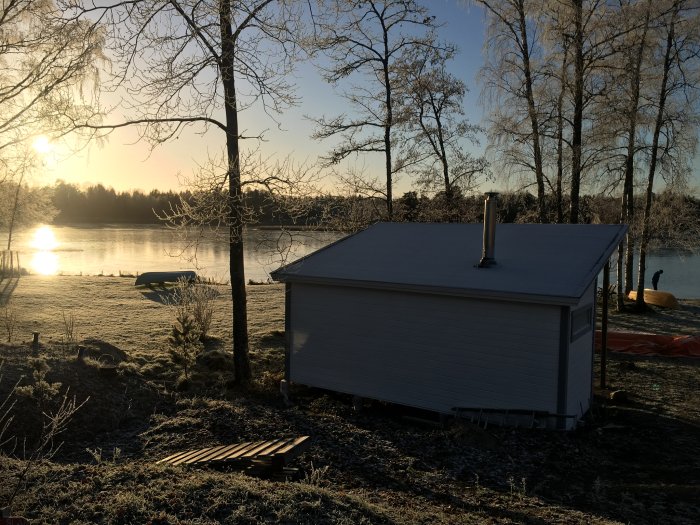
[{"x": 677, "y": 217}]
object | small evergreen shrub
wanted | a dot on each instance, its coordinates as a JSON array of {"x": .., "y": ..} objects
[{"x": 185, "y": 342}]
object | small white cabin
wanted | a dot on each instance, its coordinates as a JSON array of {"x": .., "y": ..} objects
[{"x": 401, "y": 312}]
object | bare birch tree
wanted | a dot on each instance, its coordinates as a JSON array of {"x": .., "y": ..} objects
[
  {"x": 48, "y": 77},
  {"x": 633, "y": 53},
  {"x": 367, "y": 39},
  {"x": 511, "y": 75},
  {"x": 674, "y": 134},
  {"x": 201, "y": 63},
  {"x": 23, "y": 205},
  {"x": 49, "y": 69},
  {"x": 438, "y": 135}
]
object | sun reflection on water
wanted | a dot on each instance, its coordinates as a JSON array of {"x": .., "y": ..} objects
[
  {"x": 44, "y": 239},
  {"x": 45, "y": 263},
  {"x": 45, "y": 260}
]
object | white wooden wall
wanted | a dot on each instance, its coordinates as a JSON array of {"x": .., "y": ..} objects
[
  {"x": 578, "y": 399},
  {"x": 432, "y": 352}
]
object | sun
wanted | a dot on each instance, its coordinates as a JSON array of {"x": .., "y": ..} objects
[
  {"x": 44, "y": 239},
  {"x": 42, "y": 144}
]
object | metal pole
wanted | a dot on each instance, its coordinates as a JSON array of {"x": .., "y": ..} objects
[
  {"x": 489, "y": 243},
  {"x": 604, "y": 325}
]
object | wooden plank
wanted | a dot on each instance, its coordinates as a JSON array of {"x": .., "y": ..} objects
[
  {"x": 190, "y": 455},
  {"x": 270, "y": 454},
  {"x": 229, "y": 451},
  {"x": 204, "y": 455},
  {"x": 260, "y": 450},
  {"x": 240, "y": 453},
  {"x": 274, "y": 446},
  {"x": 295, "y": 446},
  {"x": 179, "y": 455}
]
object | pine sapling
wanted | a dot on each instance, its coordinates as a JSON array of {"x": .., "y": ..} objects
[{"x": 185, "y": 343}]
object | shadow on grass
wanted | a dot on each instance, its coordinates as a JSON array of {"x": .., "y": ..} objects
[
  {"x": 7, "y": 286},
  {"x": 165, "y": 295},
  {"x": 633, "y": 463}
]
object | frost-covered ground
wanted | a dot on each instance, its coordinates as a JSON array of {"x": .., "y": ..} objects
[{"x": 634, "y": 461}]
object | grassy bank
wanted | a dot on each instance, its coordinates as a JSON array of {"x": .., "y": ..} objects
[{"x": 635, "y": 461}]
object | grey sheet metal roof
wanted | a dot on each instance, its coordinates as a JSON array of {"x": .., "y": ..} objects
[{"x": 553, "y": 263}]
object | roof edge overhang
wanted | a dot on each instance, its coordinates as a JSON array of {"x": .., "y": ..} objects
[
  {"x": 430, "y": 290},
  {"x": 277, "y": 275},
  {"x": 603, "y": 259}
]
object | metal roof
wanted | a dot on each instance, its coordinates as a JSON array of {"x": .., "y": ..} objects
[{"x": 552, "y": 263}]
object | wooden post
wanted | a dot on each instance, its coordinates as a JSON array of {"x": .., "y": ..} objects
[{"x": 604, "y": 325}]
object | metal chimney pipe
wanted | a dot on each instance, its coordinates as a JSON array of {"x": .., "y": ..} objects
[{"x": 489, "y": 246}]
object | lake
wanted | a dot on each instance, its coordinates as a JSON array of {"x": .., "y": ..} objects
[{"x": 111, "y": 250}]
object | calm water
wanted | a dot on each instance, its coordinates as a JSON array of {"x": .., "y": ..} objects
[
  {"x": 681, "y": 274},
  {"x": 110, "y": 250},
  {"x": 130, "y": 249}
]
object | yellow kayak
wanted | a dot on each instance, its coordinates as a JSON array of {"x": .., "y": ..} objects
[{"x": 657, "y": 297}]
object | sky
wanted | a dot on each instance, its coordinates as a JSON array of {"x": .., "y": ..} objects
[{"x": 125, "y": 164}]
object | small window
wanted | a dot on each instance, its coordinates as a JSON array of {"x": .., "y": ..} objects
[{"x": 581, "y": 322}]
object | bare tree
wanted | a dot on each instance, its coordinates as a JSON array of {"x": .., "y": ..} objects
[
  {"x": 585, "y": 36},
  {"x": 674, "y": 135},
  {"x": 620, "y": 106},
  {"x": 368, "y": 39},
  {"x": 634, "y": 55},
  {"x": 286, "y": 188},
  {"x": 438, "y": 137},
  {"x": 510, "y": 78},
  {"x": 546, "y": 71},
  {"x": 192, "y": 62},
  {"x": 48, "y": 63},
  {"x": 22, "y": 205}
]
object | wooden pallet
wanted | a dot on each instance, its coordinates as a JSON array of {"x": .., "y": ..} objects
[{"x": 271, "y": 455}]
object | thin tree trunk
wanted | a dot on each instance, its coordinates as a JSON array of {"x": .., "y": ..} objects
[
  {"x": 633, "y": 112},
  {"x": 629, "y": 258},
  {"x": 644, "y": 242},
  {"x": 560, "y": 139},
  {"x": 628, "y": 188},
  {"x": 13, "y": 216},
  {"x": 532, "y": 112},
  {"x": 576, "y": 139},
  {"x": 241, "y": 359},
  {"x": 449, "y": 192},
  {"x": 387, "y": 130}
]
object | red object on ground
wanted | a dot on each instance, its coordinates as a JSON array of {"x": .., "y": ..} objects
[
  {"x": 651, "y": 344},
  {"x": 14, "y": 521}
]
